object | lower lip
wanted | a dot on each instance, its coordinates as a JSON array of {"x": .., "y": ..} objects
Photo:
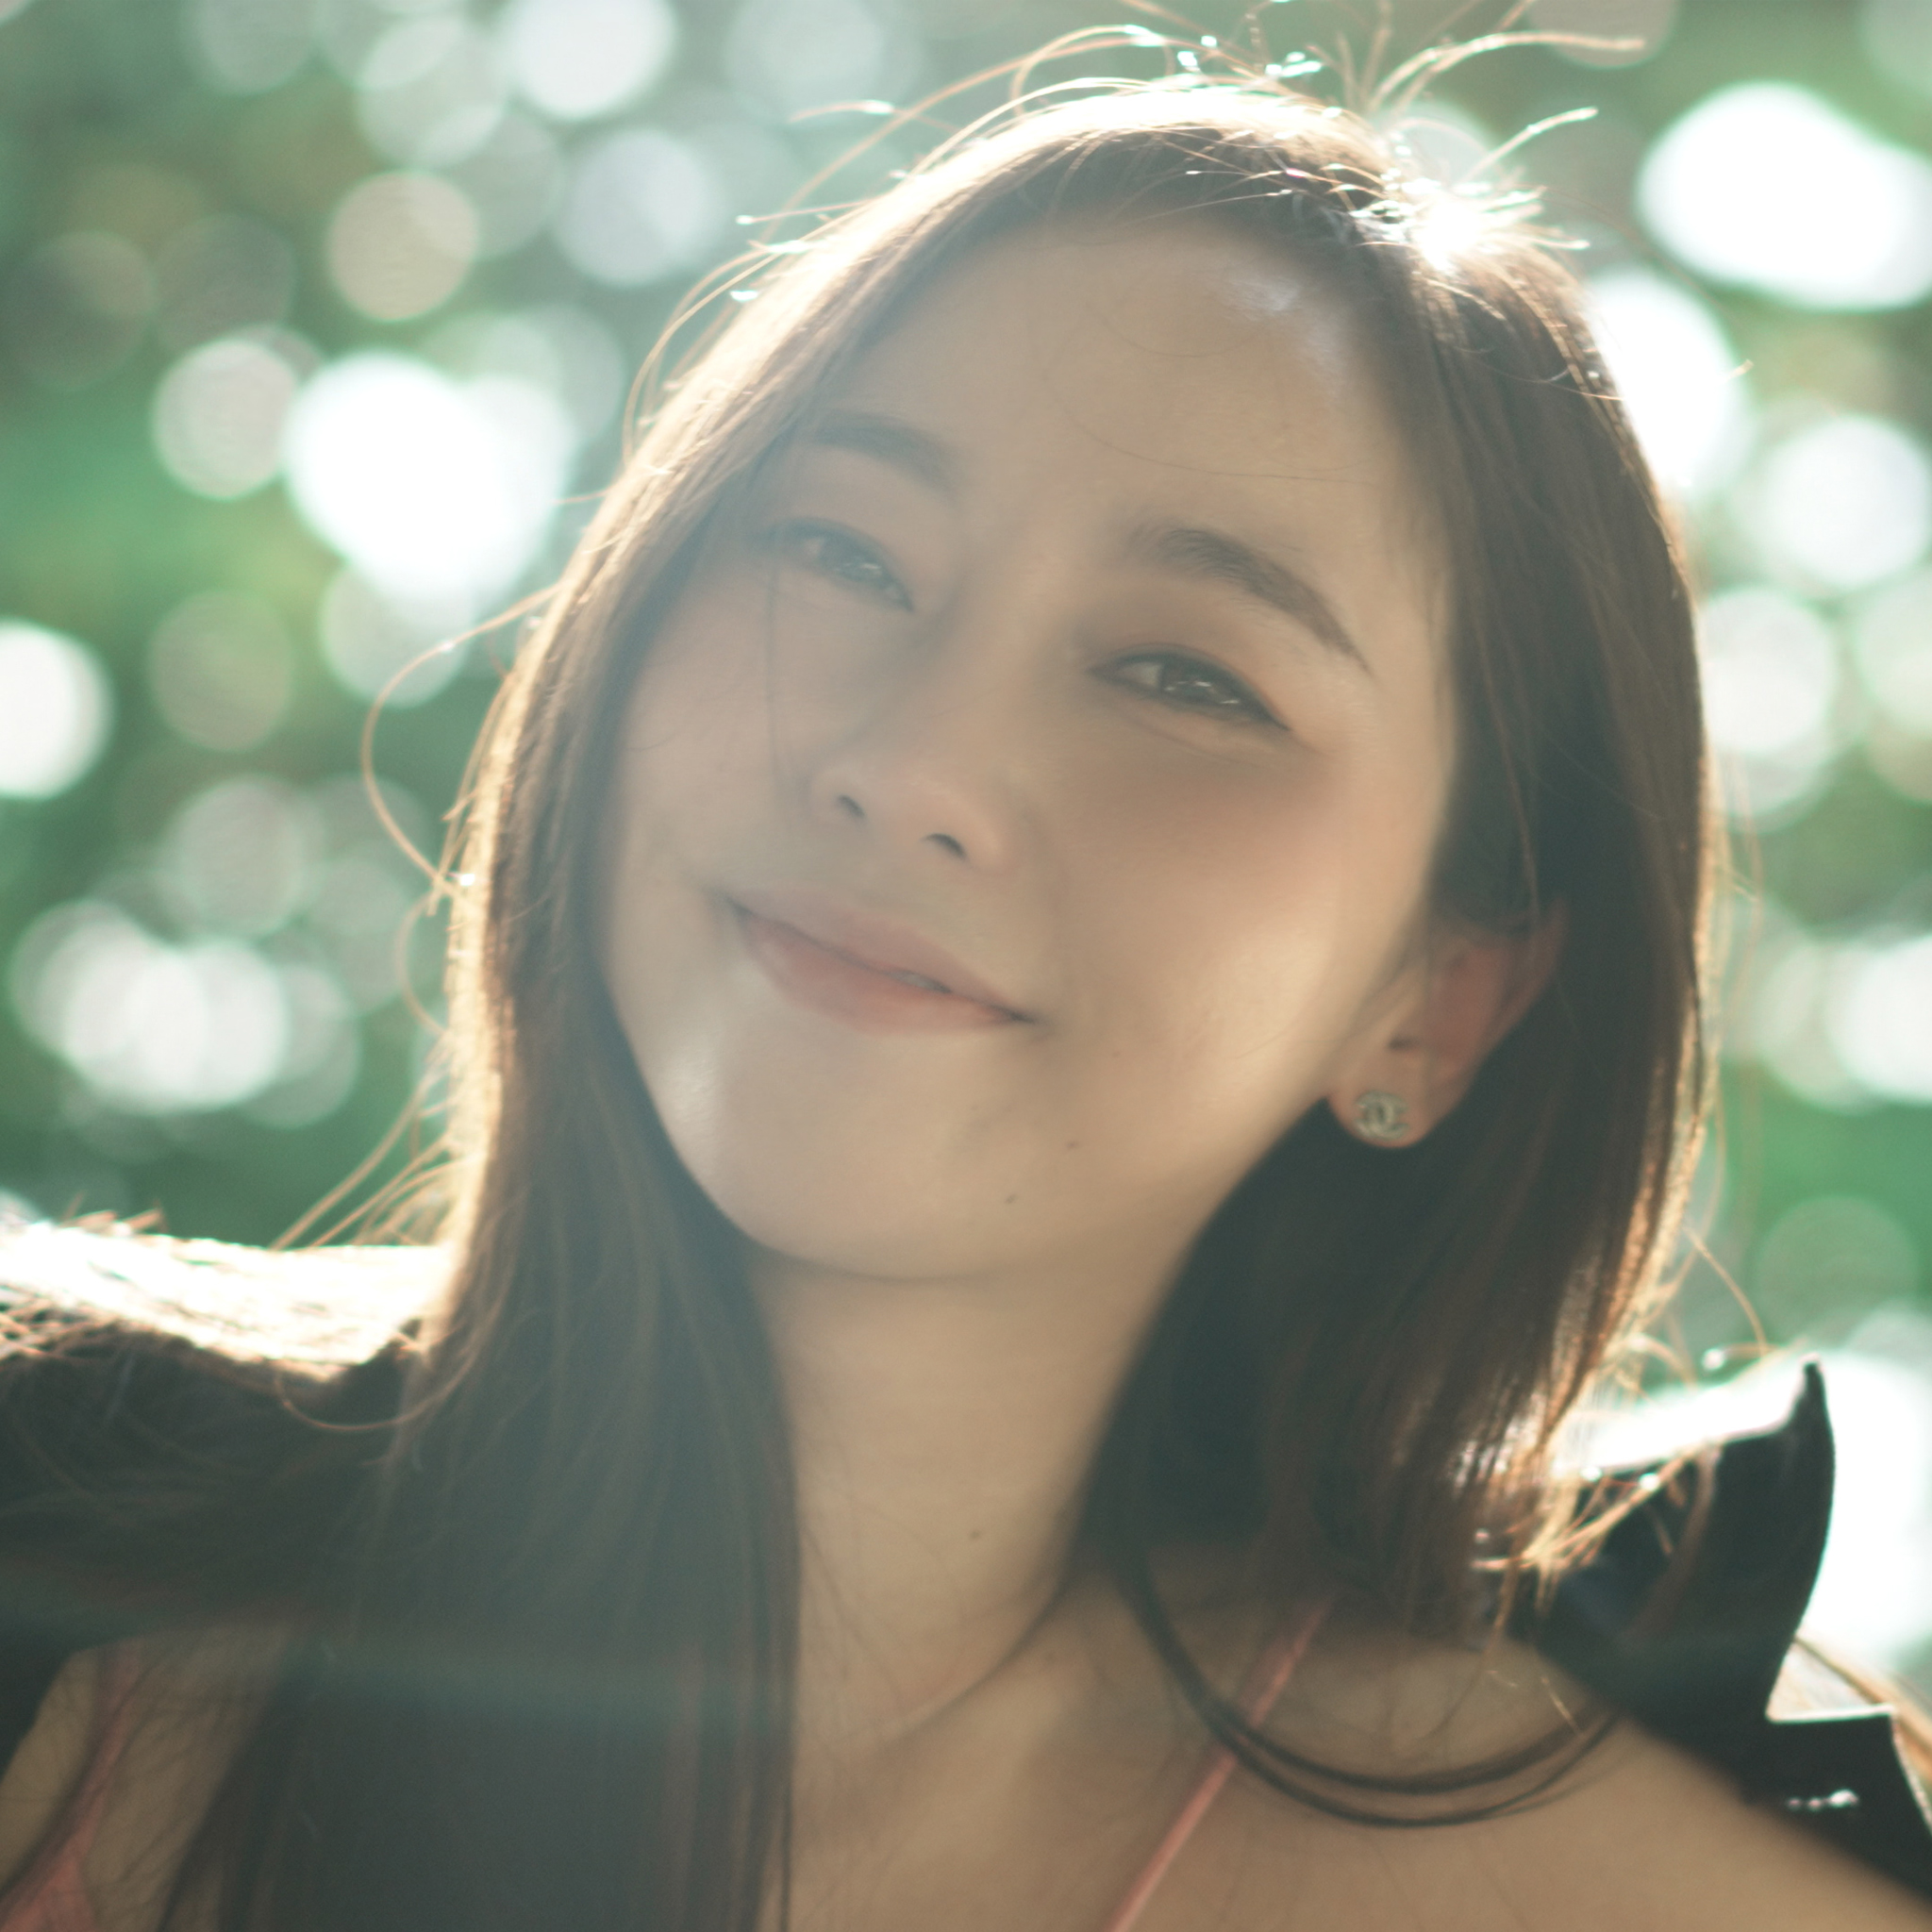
[{"x": 829, "y": 983}]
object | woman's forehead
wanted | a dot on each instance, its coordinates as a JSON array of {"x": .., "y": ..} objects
[
  {"x": 1174, "y": 343},
  {"x": 1175, "y": 303}
]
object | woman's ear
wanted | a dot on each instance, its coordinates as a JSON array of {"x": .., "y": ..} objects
[{"x": 1449, "y": 1010}]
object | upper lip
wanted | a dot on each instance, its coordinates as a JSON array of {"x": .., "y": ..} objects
[{"x": 871, "y": 938}]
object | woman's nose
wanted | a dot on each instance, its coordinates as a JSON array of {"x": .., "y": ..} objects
[{"x": 928, "y": 767}]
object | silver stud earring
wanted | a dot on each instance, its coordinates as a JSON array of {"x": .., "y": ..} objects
[{"x": 1380, "y": 1116}]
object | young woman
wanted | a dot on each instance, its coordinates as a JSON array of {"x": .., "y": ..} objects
[{"x": 1075, "y": 1022}]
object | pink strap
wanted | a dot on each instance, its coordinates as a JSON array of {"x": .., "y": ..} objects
[
  {"x": 1257, "y": 1698},
  {"x": 55, "y": 1898}
]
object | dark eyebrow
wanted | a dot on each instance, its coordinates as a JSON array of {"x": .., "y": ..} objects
[
  {"x": 1209, "y": 556},
  {"x": 1214, "y": 557},
  {"x": 916, "y": 453}
]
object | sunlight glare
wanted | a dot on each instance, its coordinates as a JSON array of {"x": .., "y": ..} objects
[
  {"x": 435, "y": 491},
  {"x": 1768, "y": 186}
]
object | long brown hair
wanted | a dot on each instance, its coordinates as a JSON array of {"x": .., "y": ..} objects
[{"x": 550, "y": 1613}]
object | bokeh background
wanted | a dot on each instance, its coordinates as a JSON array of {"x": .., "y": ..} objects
[{"x": 317, "y": 323}]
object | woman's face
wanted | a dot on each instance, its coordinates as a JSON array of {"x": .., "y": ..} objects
[{"x": 1025, "y": 813}]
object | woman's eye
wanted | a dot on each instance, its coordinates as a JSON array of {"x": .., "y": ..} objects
[
  {"x": 835, "y": 554},
  {"x": 1191, "y": 683}
]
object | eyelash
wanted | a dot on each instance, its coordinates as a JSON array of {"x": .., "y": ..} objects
[
  {"x": 1239, "y": 703},
  {"x": 789, "y": 541}
]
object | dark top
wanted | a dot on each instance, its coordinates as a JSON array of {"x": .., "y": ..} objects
[
  {"x": 1693, "y": 1654},
  {"x": 1684, "y": 1618}
]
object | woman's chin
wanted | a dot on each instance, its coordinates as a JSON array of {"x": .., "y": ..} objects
[{"x": 812, "y": 1232}]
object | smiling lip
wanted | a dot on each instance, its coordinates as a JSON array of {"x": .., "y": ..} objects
[{"x": 863, "y": 968}]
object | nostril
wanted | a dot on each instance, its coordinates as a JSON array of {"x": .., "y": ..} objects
[
  {"x": 849, "y": 806},
  {"x": 947, "y": 843}
]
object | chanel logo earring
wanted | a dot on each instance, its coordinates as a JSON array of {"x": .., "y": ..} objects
[{"x": 1380, "y": 1116}]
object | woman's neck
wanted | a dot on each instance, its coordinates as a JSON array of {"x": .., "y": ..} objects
[{"x": 943, "y": 1433}]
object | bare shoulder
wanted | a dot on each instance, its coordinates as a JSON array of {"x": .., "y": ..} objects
[
  {"x": 195, "y": 1697},
  {"x": 1667, "y": 1831},
  {"x": 1636, "y": 1836},
  {"x": 188, "y": 1703},
  {"x": 49, "y": 1764}
]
